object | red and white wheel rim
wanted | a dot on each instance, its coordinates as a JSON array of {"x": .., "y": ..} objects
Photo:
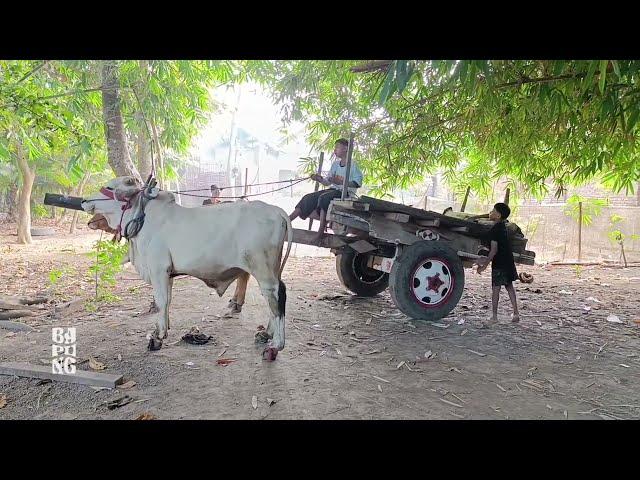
[{"x": 432, "y": 283}]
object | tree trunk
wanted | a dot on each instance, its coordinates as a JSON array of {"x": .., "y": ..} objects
[
  {"x": 144, "y": 155},
  {"x": 143, "y": 140},
  {"x": 156, "y": 142},
  {"x": 83, "y": 183},
  {"x": 24, "y": 196},
  {"x": 117, "y": 150}
]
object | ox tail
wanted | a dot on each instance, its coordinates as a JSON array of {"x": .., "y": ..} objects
[
  {"x": 286, "y": 255},
  {"x": 282, "y": 299}
]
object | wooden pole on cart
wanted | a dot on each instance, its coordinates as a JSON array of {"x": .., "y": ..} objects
[
  {"x": 246, "y": 180},
  {"x": 466, "y": 197},
  {"x": 315, "y": 189},
  {"x": 345, "y": 184},
  {"x": 506, "y": 196}
]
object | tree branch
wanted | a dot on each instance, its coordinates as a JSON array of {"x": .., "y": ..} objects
[
  {"x": 42, "y": 65},
  {"x": 374, "y": 66},
  {"x": 543, "y": 79},
  {"x": 85, "y": 90}
]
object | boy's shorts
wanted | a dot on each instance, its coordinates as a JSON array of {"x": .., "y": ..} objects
[{"x": 500, "y": 277}]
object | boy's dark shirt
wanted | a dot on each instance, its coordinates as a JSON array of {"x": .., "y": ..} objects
[{"x": 503, "y": 259}]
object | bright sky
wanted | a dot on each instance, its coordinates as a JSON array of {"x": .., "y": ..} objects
[{"x": 259, "y": 117}]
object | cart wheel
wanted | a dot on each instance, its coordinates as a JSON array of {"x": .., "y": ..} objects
[
  {"x": 357, "y": 277},
  {"x": 427, "y": 281}
]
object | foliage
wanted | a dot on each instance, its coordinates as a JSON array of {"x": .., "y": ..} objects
[
  {"x": 533, "y": 122},
  {"x": 108, "y": 257},
  {"x": 591, "y": 207},
  {"x": 616, "y": 235}
]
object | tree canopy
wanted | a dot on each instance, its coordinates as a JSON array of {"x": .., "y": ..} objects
[{"x": 534, "y": 122}]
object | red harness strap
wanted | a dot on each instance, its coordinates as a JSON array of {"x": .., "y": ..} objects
[{"x": 127, "y": 205}]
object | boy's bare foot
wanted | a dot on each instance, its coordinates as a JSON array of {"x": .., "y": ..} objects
[{"x": 515, "y": 318}]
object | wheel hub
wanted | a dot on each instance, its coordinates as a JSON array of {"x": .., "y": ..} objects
[{"x": 432, "y": 282}]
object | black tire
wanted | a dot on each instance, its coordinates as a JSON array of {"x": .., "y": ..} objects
[
  {"x": 357, "y": 277},
  {"x": 403, "y": 280}
]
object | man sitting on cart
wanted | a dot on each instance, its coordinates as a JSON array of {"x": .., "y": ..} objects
[
  {"x": 319, "y": 201},
  {"x": 215, "y": 196}
]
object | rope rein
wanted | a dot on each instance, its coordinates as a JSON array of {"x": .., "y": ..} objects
[{"x": 291, "y": 184}]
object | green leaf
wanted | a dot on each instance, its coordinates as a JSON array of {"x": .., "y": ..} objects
[
  {"x": 4, "y": 152},
  {"x": 588, "y": 81},
  {"x": 616, "y": 67},
  {"x": 633, "y": 119},
  {"x": 603, "y": 74},
  {"x": 558, "y": 66},
  {"x": 402, "y": 75},
  {"x": 388, "y": 88},
  {"x": 464, "y": 68}
]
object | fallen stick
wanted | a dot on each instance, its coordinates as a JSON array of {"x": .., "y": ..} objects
[{"x": 451, "y": 403}]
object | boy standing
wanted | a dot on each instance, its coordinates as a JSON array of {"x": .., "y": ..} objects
[{"x": 503, "y": 267}]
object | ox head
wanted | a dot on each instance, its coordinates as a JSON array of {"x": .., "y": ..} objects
[{"x": 107, "y": 205}]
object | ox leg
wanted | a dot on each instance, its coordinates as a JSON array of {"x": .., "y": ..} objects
[
  {"x": 161, "y": 294},
  {"x": 273, "y": 290},
  {"x": 170, "y": 293},
  {"x": 236, "y": 302}
]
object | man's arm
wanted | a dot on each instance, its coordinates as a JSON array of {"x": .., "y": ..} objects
[
  {"x": 338, "y": 180},
  {"x": 318, "y": 178},
  {"x": 355, "y": 178}
]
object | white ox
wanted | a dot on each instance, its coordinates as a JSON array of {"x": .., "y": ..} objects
[{"x": 217, "y": 244}]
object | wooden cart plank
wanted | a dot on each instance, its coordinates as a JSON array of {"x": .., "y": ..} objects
[
  {"x": 383, "y": 206},
  {"x": 308, "y": 238}
]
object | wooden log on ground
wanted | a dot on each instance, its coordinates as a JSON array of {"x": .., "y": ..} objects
[
  {"x": 81, "y": 377},
  {"x": 22, "y": 300},
  {"x": 8, "y": 314},
  {"x": 15, "y": 326}
]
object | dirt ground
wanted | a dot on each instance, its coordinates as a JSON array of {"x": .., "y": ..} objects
[{"x": 345, "y": 357}]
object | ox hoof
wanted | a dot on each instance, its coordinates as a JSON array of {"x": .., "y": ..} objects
[
  {"x": 154, "y": 344},
  {"x": 233, "y": 306},
  {"x": 269, "y": 354},
  {"x": 262, "y": 336}
]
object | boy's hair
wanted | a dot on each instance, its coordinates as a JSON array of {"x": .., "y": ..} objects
[
  {"x": 343, "y": 141},
  {"x": 503, "y": 209}
]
